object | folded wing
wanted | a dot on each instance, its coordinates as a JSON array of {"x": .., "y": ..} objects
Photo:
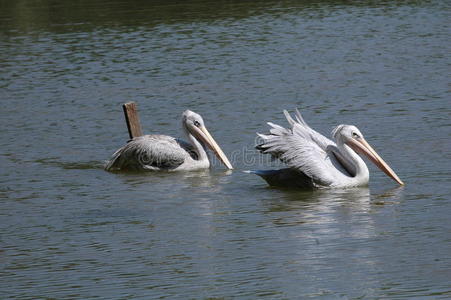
[{"x": 148, "y": 152}]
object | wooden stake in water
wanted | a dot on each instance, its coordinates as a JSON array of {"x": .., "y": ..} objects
[{"x": 132, "y": 119}]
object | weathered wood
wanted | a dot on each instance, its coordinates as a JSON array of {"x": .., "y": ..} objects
[{"x": 132, "y": 119}]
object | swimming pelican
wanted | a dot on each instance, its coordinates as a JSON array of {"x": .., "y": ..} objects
[
  {"x": 315, "y": 161},
  {"x": 162, "y": 152}
]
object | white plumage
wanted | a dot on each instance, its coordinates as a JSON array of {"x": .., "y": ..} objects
[{"x": 315, "y": 161}]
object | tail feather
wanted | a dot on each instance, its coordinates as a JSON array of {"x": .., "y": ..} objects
[
  {"x": 112, "y": 164},
  {"x": 285, "y": 178}
]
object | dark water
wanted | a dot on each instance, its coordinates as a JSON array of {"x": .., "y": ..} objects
[{"x": 69, "y": 230}]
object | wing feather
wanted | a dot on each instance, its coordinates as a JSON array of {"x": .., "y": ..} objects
[
  {"x": 300, "y": 147},
  {"x": 148, "y": 152}
]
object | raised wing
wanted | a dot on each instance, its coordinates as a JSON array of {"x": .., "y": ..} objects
[
  {"x": 148, "y": 152},
  {"x": 301, "y": 148}
]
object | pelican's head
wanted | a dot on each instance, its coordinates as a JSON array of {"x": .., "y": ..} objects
[
  {"x": 194, "y": 124},
  {"x": 346, "y": 133},
  {"x": 351, "y": 136}
]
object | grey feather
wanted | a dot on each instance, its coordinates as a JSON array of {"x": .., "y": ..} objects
[
  {"x": 150, "y": 152},
  {"x": 301, "y": 148},
  {"x": 300, "y": 119}
]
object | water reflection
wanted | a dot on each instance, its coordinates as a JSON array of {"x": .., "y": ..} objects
[
  {"x": 323, "y": 206},
  {"x": 358, "y": 195},
  {"x": 390, "y": 196},
  {"x": 294, "y": 198},
  {"x": 195, "y": 179}
]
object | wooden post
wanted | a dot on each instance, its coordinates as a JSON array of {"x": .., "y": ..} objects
[{"x": 132, "y": 119}]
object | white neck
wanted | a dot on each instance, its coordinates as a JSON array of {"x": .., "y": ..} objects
[
  {"x": 198, "y": 146},
  {"x": 362, "y": 174}
]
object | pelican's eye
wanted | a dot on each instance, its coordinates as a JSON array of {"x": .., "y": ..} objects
[
  {"x": 355, "y": 135},
  {"x": 196, "y": 123}
]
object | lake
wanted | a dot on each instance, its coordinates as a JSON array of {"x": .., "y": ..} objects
[{"x": 70, "y": 230}]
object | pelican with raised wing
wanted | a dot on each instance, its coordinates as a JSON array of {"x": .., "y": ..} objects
[
  {"x": 162, "y": 152},
  {"x": 315, "y": 161}
]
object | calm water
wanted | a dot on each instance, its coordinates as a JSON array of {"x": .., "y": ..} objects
[{"x": 68, "y": 229}]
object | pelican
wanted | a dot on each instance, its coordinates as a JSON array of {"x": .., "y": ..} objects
[
  {"x": 315, "y": 161},
  {"x": 162, "y": 152}
]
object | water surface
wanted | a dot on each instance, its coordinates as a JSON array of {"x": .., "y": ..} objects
[{"x": 71, "y": 230}]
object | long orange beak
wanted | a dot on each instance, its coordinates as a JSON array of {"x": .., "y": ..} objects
[
  {"x": 206, "y": 137},
  {"x": 360, "y": 145}
]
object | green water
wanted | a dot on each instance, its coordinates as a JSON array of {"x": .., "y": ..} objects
[{"x": 70, "y": 230}]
